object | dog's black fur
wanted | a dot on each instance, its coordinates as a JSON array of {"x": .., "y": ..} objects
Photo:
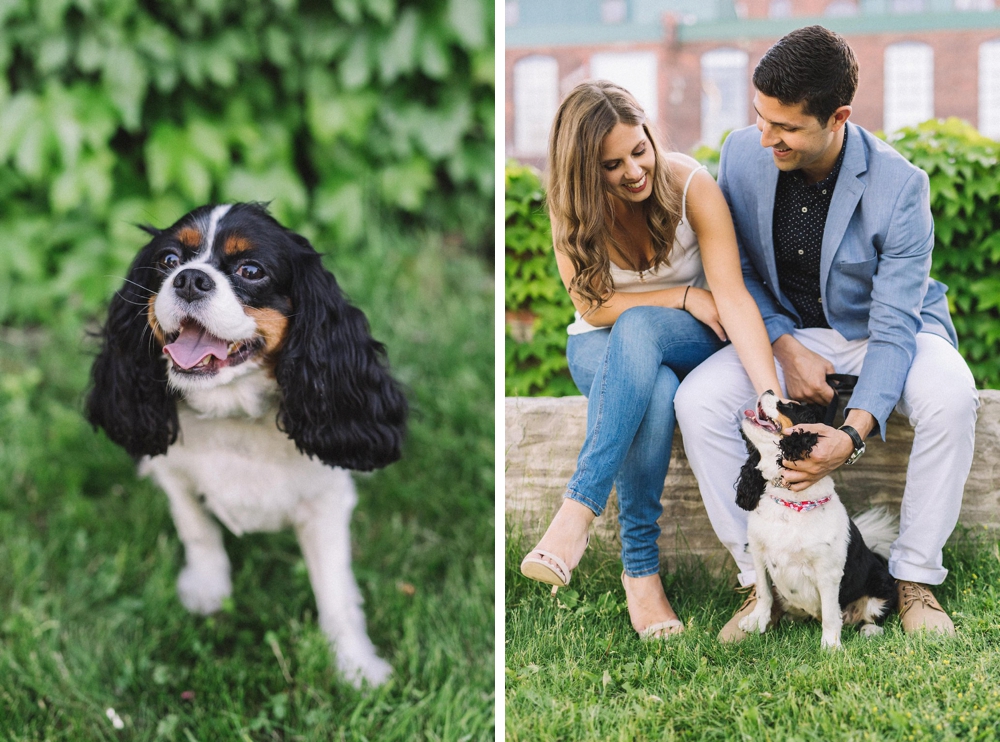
[{"x": 865, "y": 573}]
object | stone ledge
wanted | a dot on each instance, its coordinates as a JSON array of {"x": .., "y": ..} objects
[{"x": 544, "y": 435}]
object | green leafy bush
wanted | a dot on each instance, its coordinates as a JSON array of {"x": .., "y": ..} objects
[
  {"x": 538, "y": 307},
  {"x": 965, "y": 200},
  {"x": 117, "y": 111},
  {"x": 965, "y": 203}
]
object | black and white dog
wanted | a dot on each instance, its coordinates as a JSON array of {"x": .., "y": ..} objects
[
  {"x": 237, "y": 374},
  {"x": 805, "y": 542}
]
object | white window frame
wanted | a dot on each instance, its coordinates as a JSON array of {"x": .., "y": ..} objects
[
  {"x": 974, "y": 5},
  {"x": 635, "y": 71},
  {"x": 908, "y": 85},
  {"x": 536, "y": 99},
  {"x": 724, "y": 93},
  {"x": 614, "y": 12},
  {"x": 989, "y": 89}
]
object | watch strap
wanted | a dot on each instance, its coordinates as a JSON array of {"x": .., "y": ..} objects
[{"x": 859, "y": 444}]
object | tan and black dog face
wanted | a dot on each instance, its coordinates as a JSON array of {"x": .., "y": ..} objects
[
  {"x": 223, "y": 292},
  {"x": 223, "y": 303}
]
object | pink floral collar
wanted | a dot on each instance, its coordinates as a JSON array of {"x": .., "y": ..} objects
[{"x": 802, "y": 506}]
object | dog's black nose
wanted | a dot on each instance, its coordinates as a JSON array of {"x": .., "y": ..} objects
[{"x": 193, "y": 284}]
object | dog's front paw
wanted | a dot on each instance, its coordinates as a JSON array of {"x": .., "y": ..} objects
[
  {"x": 202, "y": 590},
  {"x": 360, "y": 667},
  {"x": 870, "y": 629},
  {"x": 756, "y": 622},
  {"x": 831, "y": 642}
]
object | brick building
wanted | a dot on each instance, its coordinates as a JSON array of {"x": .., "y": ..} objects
[{"x": 689, "y": 62}]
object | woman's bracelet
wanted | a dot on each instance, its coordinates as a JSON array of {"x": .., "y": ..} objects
[{"x": 684, "y": 301}]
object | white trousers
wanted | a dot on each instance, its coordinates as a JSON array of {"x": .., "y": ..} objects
[{"x": 939, "y": 399}]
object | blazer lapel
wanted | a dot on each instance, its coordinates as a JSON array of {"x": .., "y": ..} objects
[
  {"x": 766, "y": 179},
  {"x": 846, "y": 195}
]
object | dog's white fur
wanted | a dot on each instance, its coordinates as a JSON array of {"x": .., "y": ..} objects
[
  {"x": 232, "y": 462},
  {"x": 804, "y": 552},
  {"x": 253, "y": 439}
]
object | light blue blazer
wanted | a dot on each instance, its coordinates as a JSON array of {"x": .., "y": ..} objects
[{"x": 875, "y": 259}]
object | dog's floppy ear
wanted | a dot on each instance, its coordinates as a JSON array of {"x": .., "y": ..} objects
[
  {"x": 750, "y": 484},
  {"x": 802, "y": 413},
  {"x": 797, "y": 446},
  {"x": 129, "y": 397},
  {"x": 338, "y": 400}
]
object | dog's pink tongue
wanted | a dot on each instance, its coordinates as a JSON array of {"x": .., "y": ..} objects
[{"x": 193, "y": 345}]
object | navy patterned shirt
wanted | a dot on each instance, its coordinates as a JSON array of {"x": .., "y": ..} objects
[{"x": 800, "y": 211}]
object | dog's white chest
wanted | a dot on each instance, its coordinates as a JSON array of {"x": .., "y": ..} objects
[
  {"x": 800, "y": 549},
  {"x": 245, "y": 471}
]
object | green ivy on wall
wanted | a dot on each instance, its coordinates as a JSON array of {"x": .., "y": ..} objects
[
  {"x": 538, "y": 307},
  {"x": 114, "y": 112},
  {"x": 965, "y": 202}
]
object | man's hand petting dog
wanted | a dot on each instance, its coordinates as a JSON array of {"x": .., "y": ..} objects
[
  {"x": 833, "y": 448},
  {"x": 805, "y": 371}
]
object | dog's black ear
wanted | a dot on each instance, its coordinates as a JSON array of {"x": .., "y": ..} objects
[
  {"x": 750, "y": 484},
  {"x": 802, "y": 413},
  {"x": 338, "y": 400},
  {"x": 797, "y": 446},
  {"x": 129, "y": 397}
]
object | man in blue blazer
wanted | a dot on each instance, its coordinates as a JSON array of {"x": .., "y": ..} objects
[{"x": 835, "y": 234}]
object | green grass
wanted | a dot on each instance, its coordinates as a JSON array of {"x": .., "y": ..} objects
[
  {"x": 89, "y": 617},
  {"x": 575, "y": 669}
]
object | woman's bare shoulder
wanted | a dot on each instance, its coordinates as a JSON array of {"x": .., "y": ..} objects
[{"x": 681, "y": 165}]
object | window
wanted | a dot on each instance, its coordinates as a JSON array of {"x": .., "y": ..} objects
[
  {"x": 511, "y": 13},
  {"x": 536, "y": 98},
  {"x": 779, "y": 9},
  {"x": 613, "y": 11},
  {"x": 841, "y": 9},
  {"x": 989, "y": 89},
  {"x": 723, "y": 93},
  {"x": 973, "y": 4},
  {"x": 634, "y": 71},
  {"x": 909, "y": 85},
  {"x": 908, "y": 6}
]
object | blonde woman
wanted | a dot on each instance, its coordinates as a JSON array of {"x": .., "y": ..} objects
[{"x": 646, "y": 248}]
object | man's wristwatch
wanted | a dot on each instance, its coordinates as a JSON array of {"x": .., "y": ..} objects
[{"x": 859, "y": 444}]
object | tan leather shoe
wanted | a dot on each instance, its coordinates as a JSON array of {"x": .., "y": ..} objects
[
  {"x": 732, "y": 632},
  {"x": 918, "y": 610}
]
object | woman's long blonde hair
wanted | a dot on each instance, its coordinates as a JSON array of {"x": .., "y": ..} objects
[{"x": 580, "y": 206}]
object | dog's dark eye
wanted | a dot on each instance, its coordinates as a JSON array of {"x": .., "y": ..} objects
[
  {"x": 170, "y": 260},
  {"x": 250, "y": 271}
]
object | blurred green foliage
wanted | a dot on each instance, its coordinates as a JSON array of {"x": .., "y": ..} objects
[
  {"x": 114, "y": 112},
  {"x": 538, "y": 307},
  {"x": 965, "y": 202}
]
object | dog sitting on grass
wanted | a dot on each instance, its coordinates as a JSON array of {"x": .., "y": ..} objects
[
  {"x": 818, "y": 559},
  {"x": 237, "y": 374}
]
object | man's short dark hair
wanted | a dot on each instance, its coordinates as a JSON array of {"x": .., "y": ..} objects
[{"x": 813, "y": 65}]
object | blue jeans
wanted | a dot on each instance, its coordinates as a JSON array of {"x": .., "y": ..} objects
[{"x": 629, "y": 374}]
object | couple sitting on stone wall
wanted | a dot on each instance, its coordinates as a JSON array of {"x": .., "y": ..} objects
[{"x": 810, "y": 256}]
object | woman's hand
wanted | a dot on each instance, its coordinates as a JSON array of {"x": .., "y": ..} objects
[{"x": 701, "y": 306}]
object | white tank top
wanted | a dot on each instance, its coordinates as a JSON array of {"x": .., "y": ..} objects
[{"x": 685, "y": 267}]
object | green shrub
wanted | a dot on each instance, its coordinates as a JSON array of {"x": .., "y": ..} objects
[
  {"x": 118, "y": 111},
  {"x": 538, "y": 307},
  {"x": 965, "y": 203}
]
